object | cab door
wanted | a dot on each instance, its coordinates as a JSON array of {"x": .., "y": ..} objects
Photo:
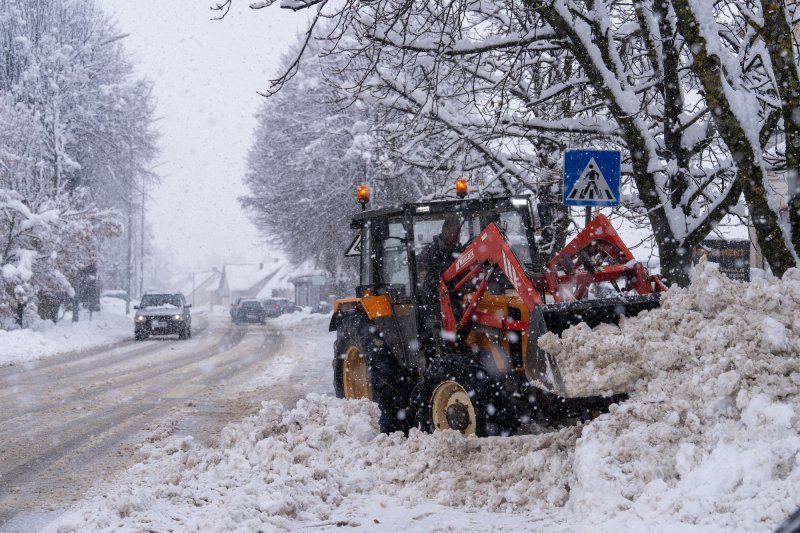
[{"x": 395, "y": 277}]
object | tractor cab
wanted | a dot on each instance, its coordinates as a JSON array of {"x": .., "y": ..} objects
[{"x": 390, "y": 241}]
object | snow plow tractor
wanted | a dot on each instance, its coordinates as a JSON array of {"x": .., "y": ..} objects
[{"x": 462, "y": 353}]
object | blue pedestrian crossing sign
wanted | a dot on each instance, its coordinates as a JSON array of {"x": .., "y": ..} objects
[{"x": 591, "y": 177}]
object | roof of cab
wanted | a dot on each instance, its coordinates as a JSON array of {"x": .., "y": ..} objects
[{"x": 433, "y": 208}]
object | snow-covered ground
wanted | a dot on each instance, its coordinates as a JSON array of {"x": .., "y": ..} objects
[
  {"x": 45, "y": 339},
  {"x": 708, "y": 441}
]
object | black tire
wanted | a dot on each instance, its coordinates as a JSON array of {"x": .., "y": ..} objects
[
  {"x": 490, "y": 405},
  {"x": 338, "y": 365},
  {"x": 390, "y": 384},
  {"x": 139, "y": 334},
  {"x": 189, "y": 332},
  {"x": 183, "y": 333}
]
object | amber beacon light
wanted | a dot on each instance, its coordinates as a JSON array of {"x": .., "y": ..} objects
[
  {"x": 461, "y": 187},
  {"x": 363, "y": 196}
]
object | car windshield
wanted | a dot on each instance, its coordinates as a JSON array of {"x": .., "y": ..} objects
[
  {"x": 251, "y": 304},
  {"x": 160, "y": 300}
]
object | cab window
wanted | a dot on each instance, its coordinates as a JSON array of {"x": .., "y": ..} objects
[
  {"x": 394, "y": 263},
  {"x": 367, "y": 255}
]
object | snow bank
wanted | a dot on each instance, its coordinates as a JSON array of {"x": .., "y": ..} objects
[
  {"x": 710, "y": 434},
  {"x": 282, "y": 467},
  {"x": 707, "y": 442},
  {"x": 46, "y": 339}
]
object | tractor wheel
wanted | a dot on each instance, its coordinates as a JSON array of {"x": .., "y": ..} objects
[
  {"x": 364, "y": 367},
  {"x": 458, "y": 393}
]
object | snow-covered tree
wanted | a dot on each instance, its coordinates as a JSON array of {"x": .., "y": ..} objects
[
  {"x": 744, "y": 55},
  {"x": 76, "y": 143},
  {"x": 520, "y": 81},
  {"x": 312, "y": 150}
]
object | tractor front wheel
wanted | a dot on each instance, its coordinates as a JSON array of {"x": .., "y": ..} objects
[
  {"x": 458, "y": 393},
  {"x": 364, "y": 367}
]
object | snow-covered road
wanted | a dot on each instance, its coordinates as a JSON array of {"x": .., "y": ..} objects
[{"x": 73, "y": 420}]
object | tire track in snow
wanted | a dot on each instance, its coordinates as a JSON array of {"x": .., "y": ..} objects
[{"x": 45, "y": 466}]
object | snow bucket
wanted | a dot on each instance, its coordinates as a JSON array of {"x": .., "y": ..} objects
[{"x": 541, "y": 369}]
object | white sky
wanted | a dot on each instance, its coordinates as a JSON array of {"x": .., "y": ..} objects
[{"x": 206, "y": 74}]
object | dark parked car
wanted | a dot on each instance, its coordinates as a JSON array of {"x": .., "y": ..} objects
[
  {"x": 249, "y": 311},
  {"x": 162, "y": 313},
  {"x": 278, "y": 306},
  {"x": 234, "y": 308}
]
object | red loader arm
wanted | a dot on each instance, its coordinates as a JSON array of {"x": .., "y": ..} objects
[{"x": 596, "y": 254}]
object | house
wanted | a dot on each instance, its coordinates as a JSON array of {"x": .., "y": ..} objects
[
  {"x": 243, "y": 281},
  {"x": 312, "y": 288},
  {"x": 198, "y": 287},
  {"x": 278, "y": 285}
]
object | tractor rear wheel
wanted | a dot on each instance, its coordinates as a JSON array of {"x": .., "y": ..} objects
[
  {"x": 458, "y": 393},
  {"x": 364, "y": 367}
]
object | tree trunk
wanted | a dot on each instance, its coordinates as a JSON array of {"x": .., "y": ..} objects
[
  {"x": 777, "y": 35},
  {"x": 676, "y": 263},
  {"x": 707, "y": 68}
]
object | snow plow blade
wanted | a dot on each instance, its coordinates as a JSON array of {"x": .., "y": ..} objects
[
  {"x": 541, "y": 368},
  {"x": 552, "y": 409}
]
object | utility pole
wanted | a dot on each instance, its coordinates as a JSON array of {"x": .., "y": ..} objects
[
  {"x": 141, "y": 248},
  {"x": 129, "y": 263}
]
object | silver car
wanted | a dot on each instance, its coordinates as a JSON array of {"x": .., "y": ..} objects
[{"x": 162, "y": 313}]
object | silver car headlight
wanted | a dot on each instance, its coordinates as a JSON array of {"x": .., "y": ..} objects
[
  {"x": 178, "y": 317},
  {"x": 140, "y": 318}
]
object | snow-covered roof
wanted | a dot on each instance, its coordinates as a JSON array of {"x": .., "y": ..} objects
[
  {"x": 211, "y": 280},
  {"x": 185, "y": 284},
  {"x": 306, "y": 272},
  {"x": 245, "y": 277},
  {"x": 279, "y": 281}
]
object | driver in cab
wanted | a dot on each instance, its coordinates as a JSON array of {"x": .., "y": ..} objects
[{"x": 436, "y": 257}]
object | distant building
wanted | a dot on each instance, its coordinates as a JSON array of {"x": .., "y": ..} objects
[
  {"x": 278, "y": 285},
  {"x": 244, "y": 281},
  {"x": 198, "y": 287},
  {"x": 311, "y": 289}
]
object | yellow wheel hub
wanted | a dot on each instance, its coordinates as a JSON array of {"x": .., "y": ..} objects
[
  {"x": 451, "y": 408},
  {"x": 355, "y": 375}
]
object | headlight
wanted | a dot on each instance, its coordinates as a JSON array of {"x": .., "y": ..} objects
[
  {"x": 177, "y": 317},
  {"x": 140, "y": 318}
]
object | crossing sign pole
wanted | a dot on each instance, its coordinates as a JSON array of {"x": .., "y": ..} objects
[{"x": 591, "y": 178}]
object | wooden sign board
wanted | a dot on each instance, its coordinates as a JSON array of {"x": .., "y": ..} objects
[{"x": 733, "y": 257}]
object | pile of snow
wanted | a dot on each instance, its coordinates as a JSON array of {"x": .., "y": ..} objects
[
  {"x": 114, "y": 305},
  {"x": 282, "y": 468},
  {"x": 708, "y": 441},
  {"x": 298, "y": 319},
  {"x": 46, "y": 339}
]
